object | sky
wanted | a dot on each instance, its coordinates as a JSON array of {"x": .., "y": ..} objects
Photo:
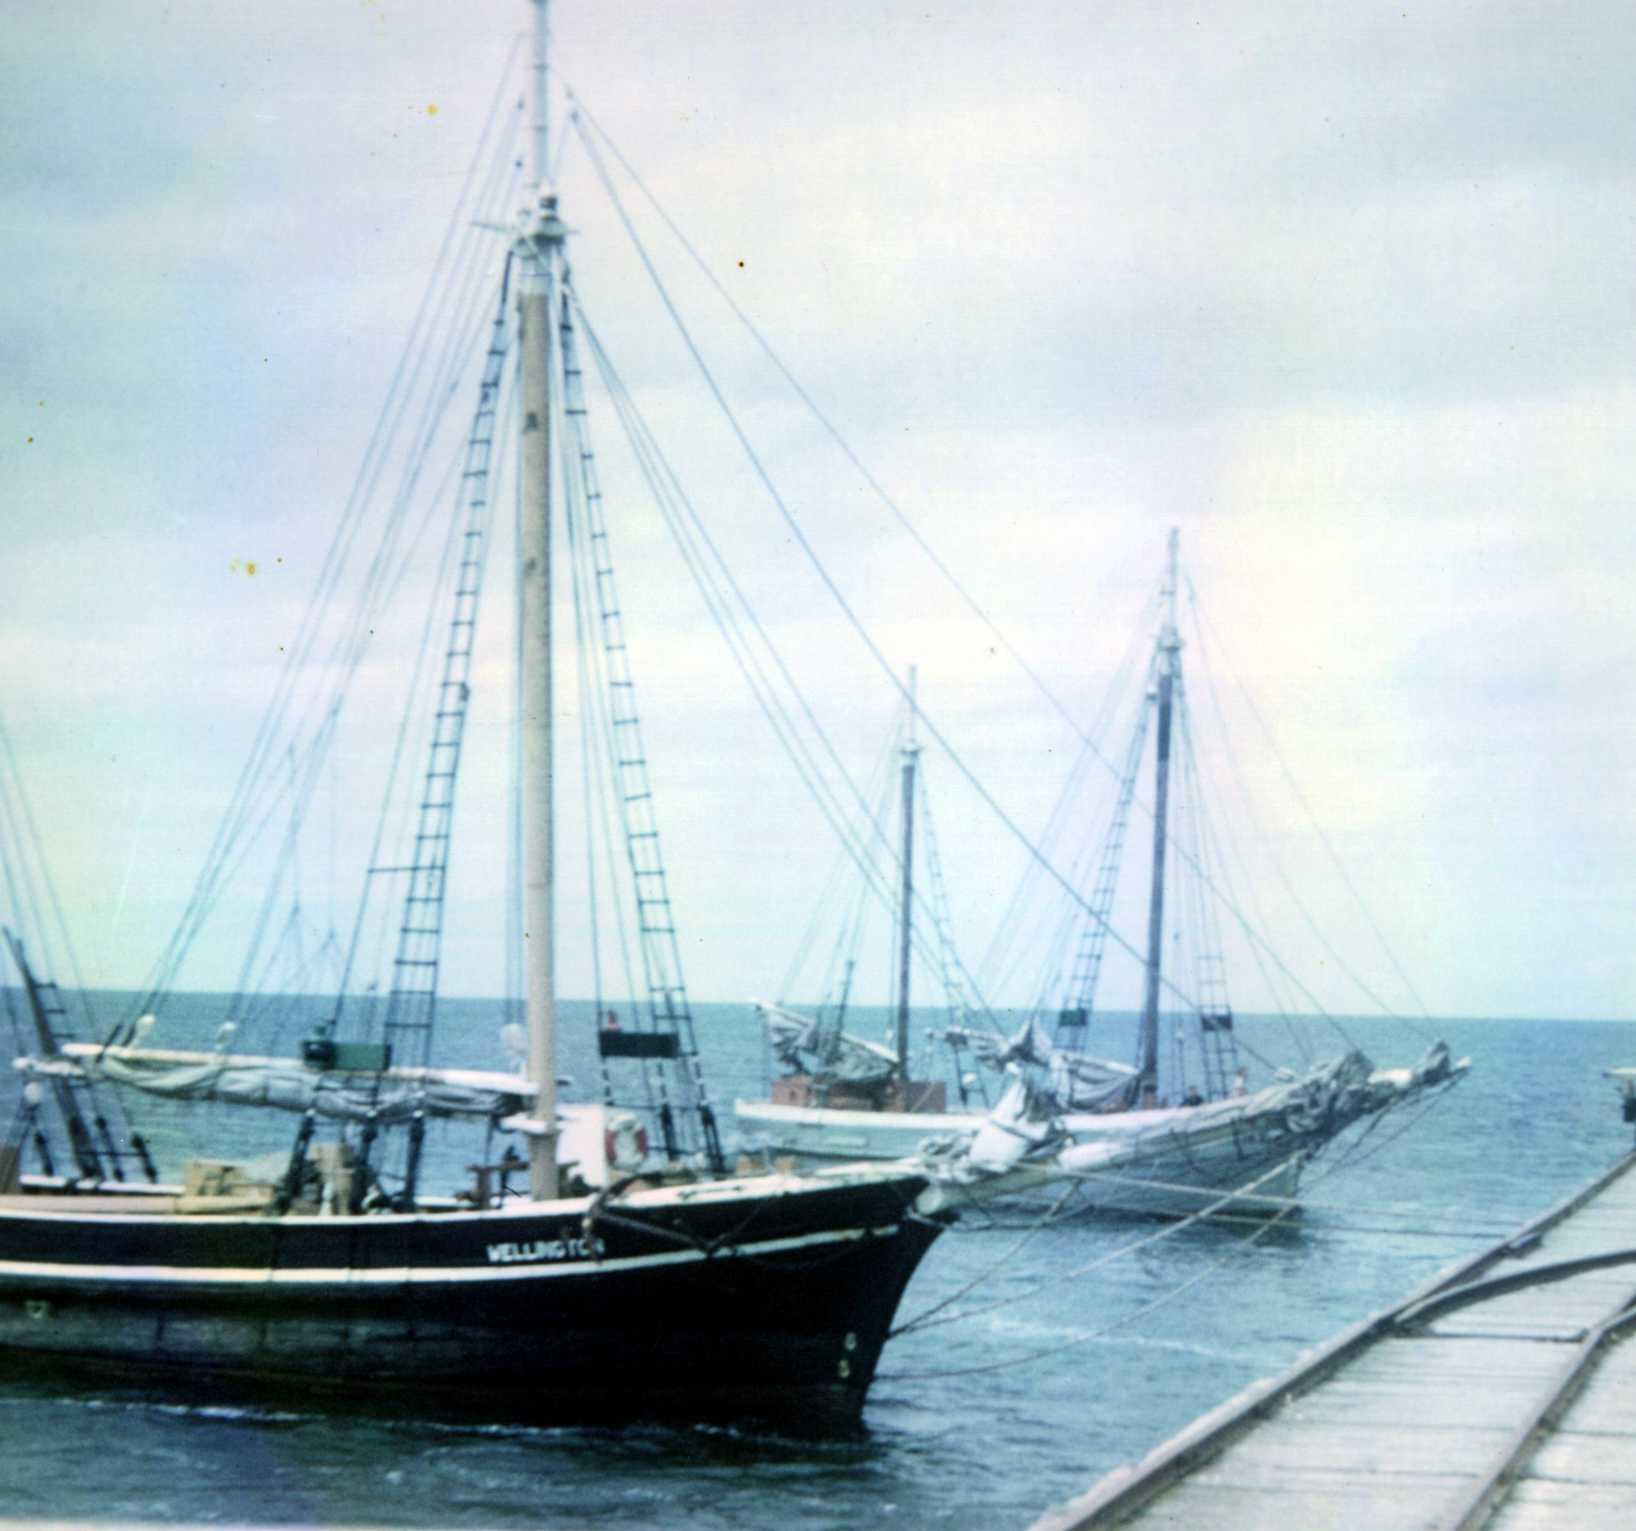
[{"x": 1344, "y": 293}]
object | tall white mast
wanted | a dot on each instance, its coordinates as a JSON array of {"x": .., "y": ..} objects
[
  {"x": 539, "y": 249},
  {"x": 541, "y": 125}
]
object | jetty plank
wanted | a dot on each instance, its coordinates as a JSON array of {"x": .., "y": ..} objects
[{"x": 1502, "y": 1394}]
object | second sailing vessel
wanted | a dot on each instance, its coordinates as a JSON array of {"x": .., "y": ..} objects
[{"x": 1138, "y": 1142}]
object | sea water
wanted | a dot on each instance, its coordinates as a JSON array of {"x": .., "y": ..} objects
[{"x": 1077, "y": 1346}]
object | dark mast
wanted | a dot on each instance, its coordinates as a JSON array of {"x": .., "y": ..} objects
[
  {"x": 911, "y": 751},
  {"x": 1167, "y": 665}
]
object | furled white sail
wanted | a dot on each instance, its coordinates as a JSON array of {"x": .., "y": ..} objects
[
  {"x": 289, "y": 1084},
  {"x": 1075, "y": 1081},
  {"x": 1175, "y": 1159},
  {"x": 805, "y": 1043}
]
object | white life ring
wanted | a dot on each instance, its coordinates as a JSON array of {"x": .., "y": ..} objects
[{"x": 625, "y": 1142}]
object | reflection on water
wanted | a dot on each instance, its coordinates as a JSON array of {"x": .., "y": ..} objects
[{"x": 1078, "y": 1350}]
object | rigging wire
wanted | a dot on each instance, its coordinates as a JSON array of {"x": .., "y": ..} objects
[
  {"x": 1230, "y": 854},
  {"x": 1075, "y": 979},
  {"x": 598, "y": 761},
  {"x": 1169, "y": 1230},
  {"x": 406, "y": 737},
  {"x": 724, "y": 598},
  {"x": 928, "y": 1317},
  {"x": 24, "y": 869},
  {"x": 798, "y": 534},
  {"x": 839, "y": 889},
  {"x": 1007, "y": 932},
  {"x": 21, "y": 832},
  {"x": 466, "y": 329},
  {"x": 835, "y": 886},
  {"x": 630, "y": 783},
  {"x": 1206, "y": 630},
  {"x": 960, "y": 990},
  {"x": 1217, "y": 1211},
  {"x": 1164, "y": 1299},
  {"x": 266, "y": 748},
  {"x": 1034, "y": 852},
  {"x": 1213, "y": 1212},
  {"x": 833, "y": 432},
  {"x": 585, "y": 123},
  {"x": 873, "y": 853},
  {"x": 1250, "y": 932}
]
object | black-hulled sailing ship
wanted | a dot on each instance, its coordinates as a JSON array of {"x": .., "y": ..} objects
[{"x": 597, "y": 1259}]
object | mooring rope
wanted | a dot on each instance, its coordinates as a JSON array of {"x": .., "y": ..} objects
[
  {"x": 1118, "y": 1323},
  {"x": 1044, "y": 1221},
  {"x": 927, "y": 1321},
  {"x": 1218, "y": 1210}
]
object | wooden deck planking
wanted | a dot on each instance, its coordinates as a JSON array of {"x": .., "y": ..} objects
[
  {"x": 1537, "y": 1506},
  {"x": 1576, "y": 1456},
  {"x": 1404, "y": 1408},
  {"x": 1560, "y": 1310},
  {"x": 1504, "y": 1361},
  {"x": 1315, "y": 1502},
  {"x": 1297, "y": 1446},
  {"x": 1608, "y": 1400},
  {"x": 1584, "y": 1474},
  {"x": 1390, "y": 1426}
]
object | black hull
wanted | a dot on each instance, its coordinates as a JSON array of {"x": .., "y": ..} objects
[{"x": 730, "y": 1301}]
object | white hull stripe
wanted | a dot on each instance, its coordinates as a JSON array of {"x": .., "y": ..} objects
[
  {"x": 778, "y": 1188},
  {"x": 528, "y": 1270}
]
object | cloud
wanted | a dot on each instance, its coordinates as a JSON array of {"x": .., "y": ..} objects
[{"x": 1342, "y": 294}]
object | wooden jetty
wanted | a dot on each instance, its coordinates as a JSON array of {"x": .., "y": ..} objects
[{"x": 1499, "y": 1395}]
